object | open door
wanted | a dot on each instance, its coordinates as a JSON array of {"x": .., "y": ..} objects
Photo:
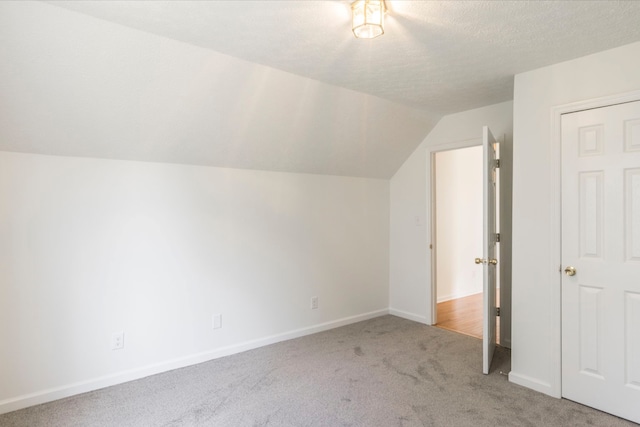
[{"x": 489, "y": 260}]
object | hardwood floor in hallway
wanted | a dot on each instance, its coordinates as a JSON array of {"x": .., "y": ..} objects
[{"x": 463, "y": 315}]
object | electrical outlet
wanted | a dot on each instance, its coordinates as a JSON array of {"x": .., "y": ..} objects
[
  {"x": 117, "y": 341},
  {"x": 217, "y": 321},
  {"x": 314, "y": 303}
]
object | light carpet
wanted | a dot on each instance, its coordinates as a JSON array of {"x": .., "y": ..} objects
[{"x": 385, "y": 371}]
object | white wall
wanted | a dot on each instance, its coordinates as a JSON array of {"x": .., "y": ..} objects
[
  {"x": 536, "y": 208},
  {"x": 410, "y": 265},
  {"x": 459, "y": 222},
  {"x": 89, "y": 247}
]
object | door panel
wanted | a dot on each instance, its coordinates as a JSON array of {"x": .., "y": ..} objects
[
  {"x": 601, "y": 240},
  {"x": 590, "y": 309},
  {"x": 632, "y": 214},
  {"x": 591, "y": 214},
  {"x": 632, "y": 339}
]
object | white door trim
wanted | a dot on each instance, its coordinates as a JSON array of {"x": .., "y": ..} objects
[
  {"x": 431, "y": 154},
  {"x": 555, "y": 215}
]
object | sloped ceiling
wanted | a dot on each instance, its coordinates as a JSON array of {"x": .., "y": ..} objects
[{"x": 273, "y": 85}]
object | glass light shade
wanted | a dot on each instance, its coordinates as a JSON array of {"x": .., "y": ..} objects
[{"x": 368, "y": 18}]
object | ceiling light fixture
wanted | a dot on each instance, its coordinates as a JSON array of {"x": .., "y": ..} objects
[{"x": 368, "y": 18}]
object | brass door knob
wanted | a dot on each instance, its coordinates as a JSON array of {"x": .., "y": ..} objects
[
  {"x": 480, "y": 261},
  {"x": 570, "y": 271},
  {"x": 493, "y": 261}
]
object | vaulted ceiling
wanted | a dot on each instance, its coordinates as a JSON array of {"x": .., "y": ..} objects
[{"x": 274, "y": 85}]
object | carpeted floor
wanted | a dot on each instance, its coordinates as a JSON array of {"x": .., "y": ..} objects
[{"x": 382, "y": 372}]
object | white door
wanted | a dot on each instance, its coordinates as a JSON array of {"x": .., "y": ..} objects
[
  {"x": 489, "y": 244},
  {"x": 601, "y": 258}
]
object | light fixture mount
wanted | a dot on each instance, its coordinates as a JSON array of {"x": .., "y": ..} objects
[{"x": 368, "y": 18}]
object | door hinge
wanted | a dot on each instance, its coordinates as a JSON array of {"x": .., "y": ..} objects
[
  {"x": 497, "y": 237},
  {"x": 497, "y": 163},
  {"x": 498, "y": 311}
]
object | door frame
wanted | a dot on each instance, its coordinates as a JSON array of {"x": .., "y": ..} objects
[
  {"x": 555, "y": 215},
  {"x": 431, "y": 208}
]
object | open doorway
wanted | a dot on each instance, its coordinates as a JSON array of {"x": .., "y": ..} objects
[{"x": 458, "y": 231}]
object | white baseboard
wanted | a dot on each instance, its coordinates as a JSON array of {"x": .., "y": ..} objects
[
  {"x": 532, "y": 383},
  {"x": 48, "y": 395},
  {"x": 409, "y": 316},
  {"x": 443, "y": 298}
]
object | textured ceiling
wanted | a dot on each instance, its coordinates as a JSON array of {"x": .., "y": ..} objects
[
  {"x": 272, "y": 85},
  {"x": 440, "y": 56}
]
